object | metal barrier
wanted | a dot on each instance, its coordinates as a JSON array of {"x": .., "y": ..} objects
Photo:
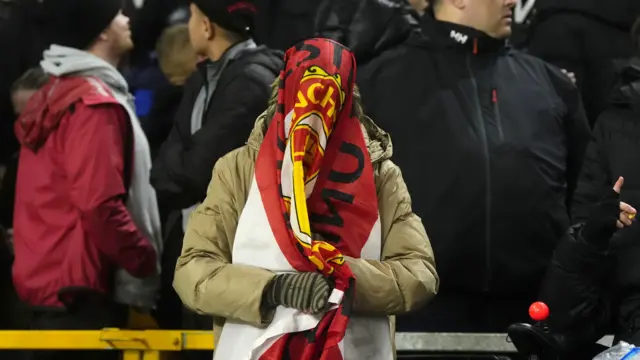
[
  {"x": 148, "y": 344},
  {"x": 135, "y": 345},
  {"x": 454, "y": 343}
]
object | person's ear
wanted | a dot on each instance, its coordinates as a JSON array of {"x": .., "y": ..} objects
[
  {"x": 104, "y": 36},
  {"x": 209, "y": 29},
  {"x": 460, "y": 4}
]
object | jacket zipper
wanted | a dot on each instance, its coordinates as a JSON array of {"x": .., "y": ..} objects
[
  {"x": 485, "y": 146},
  {"x": 207, "y": 99},
  {"x": 496, "y": 111}
]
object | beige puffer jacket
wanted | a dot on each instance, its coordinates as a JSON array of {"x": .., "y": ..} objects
[{"x": 209, "y": 283}]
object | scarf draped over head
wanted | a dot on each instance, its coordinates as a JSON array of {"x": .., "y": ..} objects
[{"x": 316, "y": 182}]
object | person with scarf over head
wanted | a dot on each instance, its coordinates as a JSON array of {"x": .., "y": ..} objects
[
  {"x": 306, "y": 242},
  {"x": 86, "y": 223}
]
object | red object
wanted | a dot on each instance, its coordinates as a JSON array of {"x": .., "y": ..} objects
[
  {"x": 539, "y": 311},
  {"x": 318, "y": 80},
  {"x": 242, "y": 5},
  {"x": 71, "y": 226}
]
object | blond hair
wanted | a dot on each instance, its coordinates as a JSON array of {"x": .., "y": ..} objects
[{"x": 176, "y": 56}]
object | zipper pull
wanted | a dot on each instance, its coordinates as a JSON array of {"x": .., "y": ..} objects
[{"x": 494, "y": 96}]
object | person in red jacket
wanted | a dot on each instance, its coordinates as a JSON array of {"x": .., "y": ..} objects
[{"x": 84, "y": 207}]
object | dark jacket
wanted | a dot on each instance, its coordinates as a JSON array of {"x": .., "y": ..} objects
[
  {"x": 597, "y": 290},
  {"x": 490, "y": 142},
  {"x": 577, "y": 293},
  {"x": 182, "y": 171},
  {"x": 280, "y": 24},
  {"x": 8, "y": 192},
  {"x": 618, "y": 13},
  {"x": 158, "y": 123},
  {"x": 367, "y": 27},
  {"x": 71, "y": 227},
  {"x": 584, "y": 37}
]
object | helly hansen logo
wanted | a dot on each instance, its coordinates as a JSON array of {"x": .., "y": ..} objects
[
  {"x": 459, "y": 37},
  {"x": 522, "y": 10}
]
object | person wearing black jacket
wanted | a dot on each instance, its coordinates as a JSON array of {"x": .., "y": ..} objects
[
  {"x": 220, "y": 104},
  {"x": 283, "y": 23},
  {"x": 600, "y": 286},
  {"x": 584, "y": 304},
  {"x": 584, "y": 37},
  {"x": 494, "y": 131}
]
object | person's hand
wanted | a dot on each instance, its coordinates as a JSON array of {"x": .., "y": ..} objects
[
  {"x": 607, "y": 216},
  {"x": 308, "y": 292}
]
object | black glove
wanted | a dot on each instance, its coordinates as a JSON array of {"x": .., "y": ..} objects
[
  {"x": 601, "y": 224},
  {"x": 303, "y": 291}
]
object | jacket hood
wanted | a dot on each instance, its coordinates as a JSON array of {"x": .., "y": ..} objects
[
  {"x": 47, "y": 106},
  {"x": 366, "y": 27},
  {"x": 268, "y": 58},
  {"x": 71, "y": 70},
  {"x": 626, "y": 90},
  {"x": 378, "y": 141}
]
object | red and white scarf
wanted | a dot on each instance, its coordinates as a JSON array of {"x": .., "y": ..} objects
[{"x": 314, "y": 188}]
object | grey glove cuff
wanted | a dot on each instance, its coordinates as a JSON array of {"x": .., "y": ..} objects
[{"x": 303, "y": 291}]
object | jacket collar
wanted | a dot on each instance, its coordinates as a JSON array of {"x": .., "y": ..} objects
[
  {"x": 450, "y": 35},
  {"x": 208, "y": 68}
]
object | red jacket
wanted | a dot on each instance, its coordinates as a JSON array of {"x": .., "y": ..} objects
[{"x": 71, "y": 227}]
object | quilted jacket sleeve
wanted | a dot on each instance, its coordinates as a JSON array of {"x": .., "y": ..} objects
[{"x": 205, "y": 279}]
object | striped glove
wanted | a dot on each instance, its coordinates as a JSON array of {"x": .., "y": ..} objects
[{"x": 307, "y": 292}]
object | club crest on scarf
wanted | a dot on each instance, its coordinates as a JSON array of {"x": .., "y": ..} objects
[
  {"x": 315, "y": 178},
  {"x": 308, "y": 127}
]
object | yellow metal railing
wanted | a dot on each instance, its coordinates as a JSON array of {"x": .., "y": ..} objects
[{"x": 135, "y": 344}]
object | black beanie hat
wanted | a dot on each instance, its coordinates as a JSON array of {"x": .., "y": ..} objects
[
  {"x": 78, "y": 23},
  {"x": 235, "y": 15}
]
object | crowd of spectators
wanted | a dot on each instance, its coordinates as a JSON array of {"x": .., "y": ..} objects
[{"x": 511, "y": 121}]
